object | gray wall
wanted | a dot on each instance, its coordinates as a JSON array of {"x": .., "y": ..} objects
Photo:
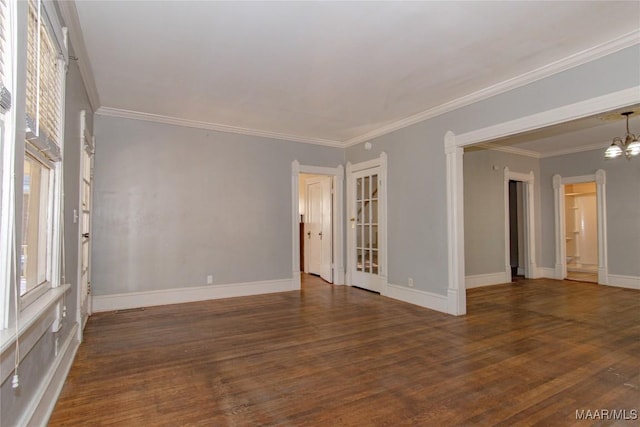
[
  {"x": 416, "y": 161},
  {"x": 623, "y": 206},
  {"x": 175, "y": 204},
  {"x": 39, "y": 361},
  {"x": 484, "y": 218}
]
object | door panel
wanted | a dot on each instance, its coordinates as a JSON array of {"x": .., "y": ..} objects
[
  {"x": 84, "y": 267},
  {"x": 366, "y": 271},
  {"x": 319, "y": 228}
]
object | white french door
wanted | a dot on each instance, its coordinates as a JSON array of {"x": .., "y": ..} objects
[
  {"x": 367, "y": 245},
  {"x": 86, "y": 192}
]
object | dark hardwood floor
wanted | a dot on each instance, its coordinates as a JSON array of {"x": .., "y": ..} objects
[{"x": 530, "y": 353}]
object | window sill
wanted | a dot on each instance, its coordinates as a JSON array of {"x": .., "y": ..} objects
[{"x": 30, "y": 316}]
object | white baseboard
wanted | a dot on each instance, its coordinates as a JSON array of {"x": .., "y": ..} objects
[
  {"x": 631, "y": 282},
  {"x": 112, "y": 302},
  {"x": 478, "y": 280},
  {"x": 46, "y": 397},
  {"x": 414, "y": 296},
  {"x": 546, "y": 272}
]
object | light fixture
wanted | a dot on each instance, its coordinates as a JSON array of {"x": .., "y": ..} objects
[{"x": 630, "y": 146}]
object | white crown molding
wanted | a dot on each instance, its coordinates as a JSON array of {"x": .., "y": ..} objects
[
  {"x": 509, "y": 149},
  {"x": 72, "y": 21},
  {"x": 564, "y": 64},
  {"x": 137, "y": 115},
  {"x": 597, "y": 146}
]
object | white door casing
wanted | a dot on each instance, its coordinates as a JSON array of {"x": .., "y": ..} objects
[
  {"x": 560, "y": 229},
  {"x": 367, "y": 224},
  {"x": 87, "y": 148},
  {"x": 318, "y": 226},
  {"x": 528, "y": 181},
  {"x": 337, "y": 177}
]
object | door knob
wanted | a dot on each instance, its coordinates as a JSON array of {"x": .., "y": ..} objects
[
  {"x": 320, "y": 234},
  {"x": 85, "y": 235},
  {"x": 309, "y": 234}
]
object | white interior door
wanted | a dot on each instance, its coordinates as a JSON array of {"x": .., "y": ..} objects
[
  {"x": 86, "y": 190},
  {"x": 366, "y": 250},
  {"x": 318, "y": 227}
]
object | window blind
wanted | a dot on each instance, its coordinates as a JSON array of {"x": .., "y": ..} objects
[
  {"x": 5, "y": 94},
  {"x": 44, "y": 83}
]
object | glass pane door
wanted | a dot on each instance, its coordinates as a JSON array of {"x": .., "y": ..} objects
[{"x": 366, "y": 224}]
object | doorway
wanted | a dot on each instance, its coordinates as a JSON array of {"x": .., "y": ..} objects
[
  {"x": 581, "y": 231},
  {"x": 581, "y": 248},
  {"x": 519, "y": 233},
  {"x": 316, "y": 245},
  {"x": 516, "y": 230},
  {"x": 299, "y": 175}
]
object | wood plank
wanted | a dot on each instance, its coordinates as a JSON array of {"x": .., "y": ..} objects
[{"x": 528, "y": 353}]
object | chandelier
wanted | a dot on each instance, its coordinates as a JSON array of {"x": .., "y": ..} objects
[{"x": 629, "y": 146}]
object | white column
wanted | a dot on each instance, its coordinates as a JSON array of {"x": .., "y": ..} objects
[
  {"x": 295, "y": 228},
  {"x": 456, "y": 293}
]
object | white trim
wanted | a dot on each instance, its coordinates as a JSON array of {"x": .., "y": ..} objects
[
  {"x": 337, "y": 175},
  {"x": 453, "y": 146},
  {"x": 417, "y": 297},
  {"x": 599, "y": 177},
  {"x": 34, "y": 322},
  {"x": 551, "y": 117},
  {"x": 528, "y": 181},
  {"x": 509, "y": 149},
  {"x": 157, "y": 118},
  {"x": 189, "y": 294},
  {"x": 564, "y": 64},
  {"x": 538, "y": 155},
  {"x": 618, "y": 280},
  {"x": 46, "y": 397},
  {"x": 70, "y": 16},
  {"x": 457, "y": 299},
  {"x": 573, "y": 150},
  {"x": 546, "y": 272},
  {"x": 478, "y": 280}
]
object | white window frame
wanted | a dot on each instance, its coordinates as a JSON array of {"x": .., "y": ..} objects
[
  {"x": 39, "y": 143},
  {"x": 39, "y": 289},
  {"x": 7, "y": 157}
]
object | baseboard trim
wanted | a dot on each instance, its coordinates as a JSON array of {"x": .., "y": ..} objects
[
  {"x": 546, "y": 272},
  {"x": 125, "y": 301},
  {"x": 46, "y": 397},
  {"x": 618, "y": 280},
  {"x": 417, "y": 297},
  {"x": 478, "y": 280}
]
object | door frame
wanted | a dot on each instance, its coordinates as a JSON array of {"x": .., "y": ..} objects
[
  {"x": 599, "y": 177},
  {"x": 86, "y": 141},
  {"x": 337, "y": 176},
  {"x": 528, "y": 186},
  {"x": 380, "y": 162},
  {"x": 454, "y": 150}
]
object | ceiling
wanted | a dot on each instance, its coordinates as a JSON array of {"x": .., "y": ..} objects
[{"x": 324, "y": 72}]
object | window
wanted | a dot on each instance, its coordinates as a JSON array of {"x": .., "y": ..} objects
[
  {"x": 36, "y": 221},
  {"x": 39, "y": 255},
  {"x": 7, "y": 153}
]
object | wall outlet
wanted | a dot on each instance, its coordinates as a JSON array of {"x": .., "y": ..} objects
[
  {"x": 209, "y": 279},
  {"x": 410, "y": 282}
]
